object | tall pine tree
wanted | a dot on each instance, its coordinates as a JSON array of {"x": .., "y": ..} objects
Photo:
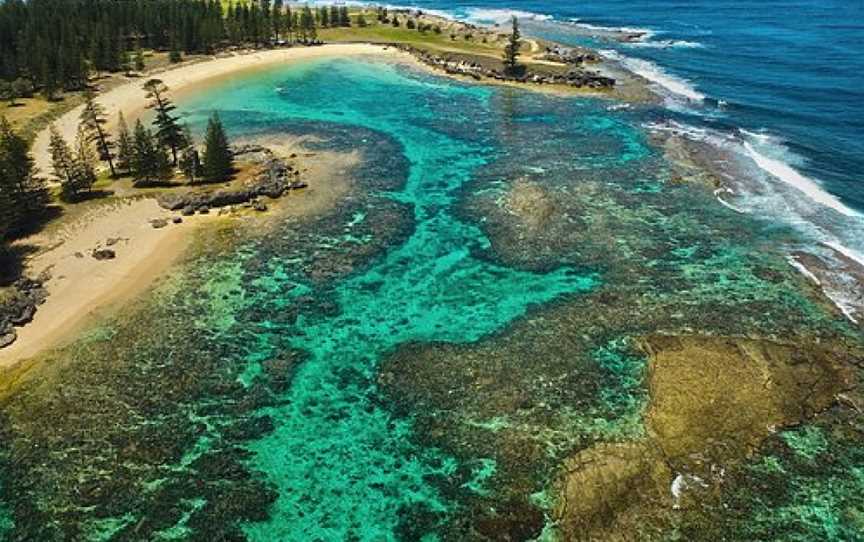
[
  {"x": 93, "y": 121},
  {"x": 149, "y": 163},
  {"x": 168, "y": 131},
  {"x": 218, "y": 165},
  {"x": 511, "y": 50},
  {"x": 125, "y": 145},
  {"x": 23, "y": 194}
]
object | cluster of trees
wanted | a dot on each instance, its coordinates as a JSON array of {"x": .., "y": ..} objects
[
  {"x": 148, "y": 155},
  {"x": 383, "y": 15},
  {"x": 54, "y": 45},
  {"x": 23, "y": 194}
]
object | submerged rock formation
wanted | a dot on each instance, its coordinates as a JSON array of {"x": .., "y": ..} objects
[
  {"x": 530, "y": 203},
  {"x": 712, "y": 402}
]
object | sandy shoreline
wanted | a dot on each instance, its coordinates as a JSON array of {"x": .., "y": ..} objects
[
  {"x": 82, "y": 287},
  {"x": 129, "y": 97}
]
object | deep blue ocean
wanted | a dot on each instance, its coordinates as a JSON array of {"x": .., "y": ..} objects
[
  {"x": 793, "y": 70},
  {"x": 779, "y": 83}
]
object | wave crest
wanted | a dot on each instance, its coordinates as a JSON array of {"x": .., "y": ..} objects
[{"x": 675, "y": 85}]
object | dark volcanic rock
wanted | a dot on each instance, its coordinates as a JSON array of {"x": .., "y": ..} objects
[
  {"x": 104, "y": 254},
  {"x": 8, "y": 337},
  {"x": 173, "y": 202},
  {"x": 274, "y": 179},
  {"x": 577, "y": 77},
  {"x": 19, "y": 307}
]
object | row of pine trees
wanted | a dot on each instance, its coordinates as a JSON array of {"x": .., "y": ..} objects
[
  {"x": 55, "y": 45},
  {"x": 149, "y": 155}
]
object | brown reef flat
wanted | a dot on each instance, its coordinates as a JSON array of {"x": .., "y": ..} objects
[{"x": 712, "y": 401}]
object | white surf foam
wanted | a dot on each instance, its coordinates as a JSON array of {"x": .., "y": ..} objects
[
  {"x": 657, "y": 75},
  {"x": 501, "y": 16},
  {"x": 694, "y": 133},
  {"x": 666, "y": 44},
  {"x": 786, "y": 173},
  {"x": 848, "y": 252},
  {"x": 793, "y": 261},
  {"x": 724, "y": 202},
  {"x": 644, "y": 33}
]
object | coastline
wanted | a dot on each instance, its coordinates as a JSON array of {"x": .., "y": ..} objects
[
  {"x": 80, "y": 287},
  {"x": 600, "y": 381},
  {"x": 154, "y": 250},
  {"x": 184, "y": 79},
  {"x": 83, "y": 289}
]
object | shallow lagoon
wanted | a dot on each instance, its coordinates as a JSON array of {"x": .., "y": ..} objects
[{"x": 416, "y": 363}]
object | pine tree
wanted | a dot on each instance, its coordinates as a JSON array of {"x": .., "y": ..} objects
[
  {"x": 71, "y": 168},
  {"x": 278, "y": 18},
  {"x": 168, "y": 132},
  {"x": 323, "y": 17},
  {"x": 290, "y": 23},
  {"x": 218, "y": 164},
  {"x": 511, "y": 50},
  {"x": 126, "y": 62},
  {"x": 344, "y": 19},
  {"x": 93, "y": 121},
  {"x": 125, "y": 146},
  {"x": 149, "y": 162},
  {"x": 23, "y": 195},
  {"x": 190, "y": 159},
  {"x": 174, "y": 55},
  {"x": 85, "y": 161},
  {"x": 139, "y": 59},
  {"x": 62, "y": 161},
  {"x": 307, "y": 24},
  {"x": 49, "y": 82},
  {"x": 7, "y": 93}
]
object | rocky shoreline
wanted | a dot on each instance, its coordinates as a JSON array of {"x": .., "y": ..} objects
[
  {"x": 275, "y": 178},
  {"x": 577, "y": 76},
  {"x": 19, "y": 306}
]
